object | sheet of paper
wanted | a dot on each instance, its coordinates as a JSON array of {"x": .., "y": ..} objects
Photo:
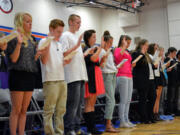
[
  {"x": 165, "y": 64},
  {"x": 173, "y": 65},
  {"x": 121, "y": 63},
  {"x": 9, "y": 37},
  {"x": 157, "y": 60},
  {"x": 107, "y": 53},
  {"x": 87, "y": 51},
  {"x": 70, "y": 56},
  {"x": 137, "y": 59},
  {"x": 46, "y": 43}
]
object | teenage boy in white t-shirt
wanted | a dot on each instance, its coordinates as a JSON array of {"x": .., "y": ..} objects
[
  {"x": 54, "y": 86},
  {"x": 75, "y": 75}
]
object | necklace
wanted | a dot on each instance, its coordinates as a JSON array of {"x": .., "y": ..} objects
[{"x": 57, "y": 48}]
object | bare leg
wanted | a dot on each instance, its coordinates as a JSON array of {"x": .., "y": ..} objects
[
  {"x": 89, "y": 103},
  {"x": 22, "y": 116},
  {"x": 16, "y": 99}
]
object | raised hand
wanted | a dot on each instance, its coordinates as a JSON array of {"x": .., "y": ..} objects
[
  {"x": 3, "y": 46},
  {"x": 79, "y": 40},
  {"x": 42, "y": 52},
  {"x": 102, "y": 42}
]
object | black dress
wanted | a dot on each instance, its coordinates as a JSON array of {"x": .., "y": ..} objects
[
  {"x": 22, "y": 74},
  {"x": 146, "y": 88},
  {"x": 95, "y": 84}
]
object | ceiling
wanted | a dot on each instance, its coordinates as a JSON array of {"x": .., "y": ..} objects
[{"x": 126, "y": 5}]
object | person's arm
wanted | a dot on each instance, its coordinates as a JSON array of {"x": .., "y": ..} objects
[
  {"x": 103, "y": 60},
  {"x": 118, "y": 57},
  {"x": 15, "y": 55},
  {"x": 65, "y": 62},
  {"x": 44, "y": 53},
  {"x": 73, "y": 48},
  {"x": 95, "y": 56},
  {"x": 136, "y": 55}
]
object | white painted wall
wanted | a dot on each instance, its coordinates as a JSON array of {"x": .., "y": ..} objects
[
  {"x": 110, "y": 21},
  {"x": 43, "y": 11},
  {"x": 152, "y": 24},
  {"x": 153, "y": 21},
  {"x": 174, "y": 23}
]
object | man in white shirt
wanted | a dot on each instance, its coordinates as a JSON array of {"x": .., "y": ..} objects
[
  {"x": 54, "y": 86},
  {"x": 75, "y": 75}
]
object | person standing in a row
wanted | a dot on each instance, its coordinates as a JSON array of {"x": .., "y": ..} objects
[
  {"x": 124, "y": 81},
  {"x": 109, "y": 76},
  {"x": 3, "y": 64},
  {"x": 95, "y": 84},
  {"x": 172, "y": 82},
  {"x": 143, "y": 78},
  {"x": 178, "y": 84},
  {"x": 54, "y": 86},
  {"x": 75, "y": 76},
  {"x": 21, "y": 53}
]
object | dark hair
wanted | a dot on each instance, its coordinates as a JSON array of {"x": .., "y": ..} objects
[
  {"x": 166, "y": 54},
  {"x": 172, "y": 49},
  {"x": 128, "y": 37},
  {"x": 107, "y": 38},
  {"x": 178, "y": 53},
  {"x": 121, "y": 39},
  {"x": 106, "y": 33},
  {"x": 151, "y": 49},
  {"x": 140, "y": 44},
  {"x": 87, "y": 35}
]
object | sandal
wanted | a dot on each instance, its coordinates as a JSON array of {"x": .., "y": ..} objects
[{"x": 111, "y": 130}]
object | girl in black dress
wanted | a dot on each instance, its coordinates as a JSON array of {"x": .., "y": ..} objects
[
  {"x": 21, "y": 53},
  {"x": 143, "y": 78},
  {"x": 95, "y": 84}
]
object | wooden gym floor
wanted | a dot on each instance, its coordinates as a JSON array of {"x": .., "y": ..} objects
[{"x": 159, "y": 128}]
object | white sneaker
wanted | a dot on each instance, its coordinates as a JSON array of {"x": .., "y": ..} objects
[
  {"x": 131, "y": 124},
  {"x": 125, "y": 125}
]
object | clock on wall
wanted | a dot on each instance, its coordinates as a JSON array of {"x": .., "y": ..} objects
[{"x": 6, "y": 6}]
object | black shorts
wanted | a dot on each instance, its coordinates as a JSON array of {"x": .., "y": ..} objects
[{"x": 21, "y": 80}]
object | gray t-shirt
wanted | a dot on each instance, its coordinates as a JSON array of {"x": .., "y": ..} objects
[{"x": 26, "y": 60}]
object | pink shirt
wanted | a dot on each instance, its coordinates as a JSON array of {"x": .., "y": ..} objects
[{"x": 126, "y": 69}]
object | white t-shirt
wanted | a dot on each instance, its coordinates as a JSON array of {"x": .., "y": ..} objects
[
  {"x": 151, "y": 74},
  {"x": 53, "y": 70},
  {"x": 156, "y": 71},
  {"x": 76, "y": 70},
  {"x": 109, "y": 66}
]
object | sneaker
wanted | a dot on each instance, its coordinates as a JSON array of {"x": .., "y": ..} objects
[
  {"x": 131, "y": 124},
  {"x": 125, "y": 125},
  {"x": 81, "y": 132}
]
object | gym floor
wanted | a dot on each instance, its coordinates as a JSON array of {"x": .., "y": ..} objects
[{"x": 160, "y": 128}]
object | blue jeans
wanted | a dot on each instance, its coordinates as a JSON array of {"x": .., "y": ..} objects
[
  {"x": 125, "y": 88},
  {"x": 75, "y": 98}
]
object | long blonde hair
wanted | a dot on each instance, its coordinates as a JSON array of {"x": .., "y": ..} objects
[{"x": 18, "y": 23}]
